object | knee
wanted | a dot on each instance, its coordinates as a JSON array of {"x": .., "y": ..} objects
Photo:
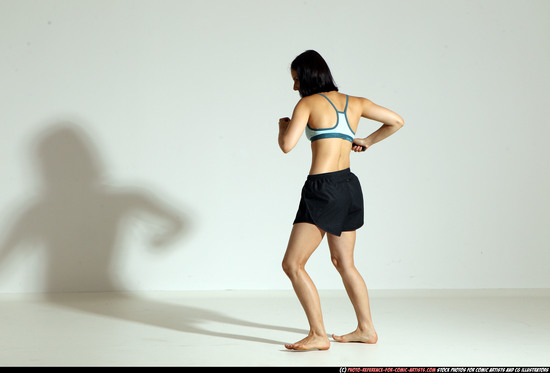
[
  {"x": 341, "y": 265},
  {"x": 291, "y": 268}
]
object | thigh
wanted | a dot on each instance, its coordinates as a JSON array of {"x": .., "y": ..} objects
[
  {"x": 341, "y": 247},
  {"x": 304, "y": 239}
]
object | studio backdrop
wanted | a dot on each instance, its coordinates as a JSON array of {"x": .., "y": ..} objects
[{"x": 138, "y": 142}]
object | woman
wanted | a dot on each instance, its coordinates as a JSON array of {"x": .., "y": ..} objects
[{"x": 332, "y": 201}]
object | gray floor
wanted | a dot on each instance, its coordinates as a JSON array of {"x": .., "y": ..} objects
[{"x": 249, "y": 328}]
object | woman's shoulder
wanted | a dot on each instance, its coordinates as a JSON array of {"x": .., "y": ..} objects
[
  {"x": 341, "y": 95},
  {"x": 356, "y": 98},
  {"x": 358, "y": 101},
  {"x": 308, "y": 101},
  {"x": 334, "y": 96}
]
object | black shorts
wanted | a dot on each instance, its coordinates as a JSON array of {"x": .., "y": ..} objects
[{"x": 332, "y": 201}]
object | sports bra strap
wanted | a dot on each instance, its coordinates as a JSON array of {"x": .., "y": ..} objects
[
  {"x": 338, "y": 111},
  {"x": 346, "y": 108}
]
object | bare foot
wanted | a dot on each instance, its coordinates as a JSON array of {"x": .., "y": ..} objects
[
  {"x": 311, "y": 342},
  {"x": 358, "y": 336}
]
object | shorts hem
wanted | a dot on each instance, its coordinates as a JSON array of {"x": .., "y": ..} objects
[
  {"x": 310, "y": 219},
  {"x": 320, "y": 227}
]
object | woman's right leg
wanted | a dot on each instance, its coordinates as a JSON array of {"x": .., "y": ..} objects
[{"x": 304, "y": 239}]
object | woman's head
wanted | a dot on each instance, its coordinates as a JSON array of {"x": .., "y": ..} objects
[{"x": 311, "y": 74}]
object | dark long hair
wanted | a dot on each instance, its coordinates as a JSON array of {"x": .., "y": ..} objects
[{"x": 313, "y": 74}]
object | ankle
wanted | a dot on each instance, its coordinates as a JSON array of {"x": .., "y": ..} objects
[
  {"x": 318, "y": 333},
  {"x": 365, "y": 328}
]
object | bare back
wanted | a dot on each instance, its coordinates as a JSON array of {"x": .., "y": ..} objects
[
  {"x": 331, "y": 154},
  {"x": 319, "y": 115}
]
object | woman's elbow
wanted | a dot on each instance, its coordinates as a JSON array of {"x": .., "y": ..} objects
[
  {"x": 285, "y": 148},
  {"x": 286, "y": 145},
  {"x": 399, "y": 122}
]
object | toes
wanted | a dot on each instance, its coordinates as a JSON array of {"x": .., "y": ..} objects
[
  {"x": 338, "y": 338},
  {"x": 309, "y": 344},
  {"x": 293, "y": 347}
]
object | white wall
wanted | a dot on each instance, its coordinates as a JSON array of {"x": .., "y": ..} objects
[{"x": 118, "y": 114}]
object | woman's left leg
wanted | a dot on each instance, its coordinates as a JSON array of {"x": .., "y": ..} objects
[
  {"x": 341, "y": 251},
  {"x": 304, "y": 239}
]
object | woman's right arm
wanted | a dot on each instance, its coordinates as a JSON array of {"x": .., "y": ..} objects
[
  {"x": 291, "y": 129},
  {"x": 391, "y": 122}
]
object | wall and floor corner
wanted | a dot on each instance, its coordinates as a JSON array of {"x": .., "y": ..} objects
[{"x": 138, "y": 142}]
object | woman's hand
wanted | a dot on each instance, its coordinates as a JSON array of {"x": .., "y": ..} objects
[
  {"x": 283, "y": 123},
  {"x": 359, "y": 145}
]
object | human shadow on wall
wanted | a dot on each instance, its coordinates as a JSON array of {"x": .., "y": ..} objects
[{"x": 79, "y": 221}]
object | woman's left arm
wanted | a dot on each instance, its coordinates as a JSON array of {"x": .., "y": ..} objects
[{"x": 290, "y": 130}]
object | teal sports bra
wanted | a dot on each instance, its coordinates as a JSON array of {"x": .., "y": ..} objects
[{"x": 341, "y": 130}]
